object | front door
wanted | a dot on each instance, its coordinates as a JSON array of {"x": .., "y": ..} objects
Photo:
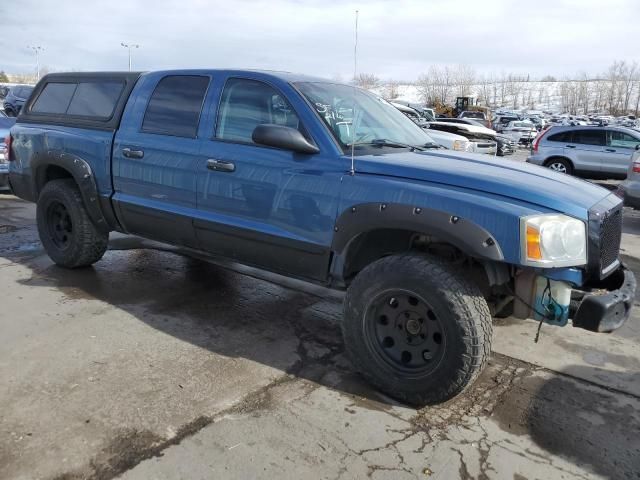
[
  {"x": 155, "y": 157},
  {"x": 620, "y": 147},
  {"x": 588, "y": 149},
  {"x": 263, "y": 206}
]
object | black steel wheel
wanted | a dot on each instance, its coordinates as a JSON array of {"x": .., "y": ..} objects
[
  {"x": 59, "y": 225},
  {"x": 403, "y": 329}
]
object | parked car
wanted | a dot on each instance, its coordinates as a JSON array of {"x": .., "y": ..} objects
[
  {"x": 443, "y": 139},
  {"x": 5, "y": 125},
  {"x": 17, "y": 95},
  {"x": 482, "y": 138},
  {"x": 412, "y": 113},
  {"x": 476, "y": 115},
  {"x": 522, "y": 132},
  {"x": 451, "y": 141},
  {"x": 502, "y": 121},
  {"x": 630, "y": 188},
  {"x": 3, "y": 91},
  {"x": 590, "y": 152},
  {"x": 276, "y": 171},
  {"x": 505, "y": 145}
]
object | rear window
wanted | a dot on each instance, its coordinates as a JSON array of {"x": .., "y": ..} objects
[
  {"x": 84, "y": 99},
  {"x": 95, "y": 99},
  {"x": 174, "y": 108},
  {"x": 560, "y": 137},
  {"x": 589, "y": 137},
  {"x": 55, "y": 98}
]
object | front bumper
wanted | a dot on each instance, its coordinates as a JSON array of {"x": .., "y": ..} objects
[{"x": 607, "y": 305}]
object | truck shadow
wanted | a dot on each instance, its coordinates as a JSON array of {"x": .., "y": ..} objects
[
  {"x": 577, "y": 421},
  {"x": 215, "y": 308}
]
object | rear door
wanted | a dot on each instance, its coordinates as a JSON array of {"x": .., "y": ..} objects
[
  {"x": 155, "y": 155},
  {"x": 587, "y": 146},
  {"x": 620, "y": 146}
]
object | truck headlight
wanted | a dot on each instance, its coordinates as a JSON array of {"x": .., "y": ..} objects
[
  {"x": 461, "y": 145},
  {"x": 553, "y": 241}
]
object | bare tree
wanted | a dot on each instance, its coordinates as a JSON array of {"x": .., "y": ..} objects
[
  {"x": 391, "y": 90},
  {"x": 367, "y": 81},
  {"x": 463, "y": 77}
]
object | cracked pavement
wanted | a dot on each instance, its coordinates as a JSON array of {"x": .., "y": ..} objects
[{"x": 153, "y": 365}]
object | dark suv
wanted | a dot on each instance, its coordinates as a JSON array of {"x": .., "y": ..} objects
[{"x": 17, "y": 95}]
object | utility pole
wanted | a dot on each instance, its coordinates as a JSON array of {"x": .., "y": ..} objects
[
  {"x": 37, "y": 49},
  {"x": 129, "y": 46}
]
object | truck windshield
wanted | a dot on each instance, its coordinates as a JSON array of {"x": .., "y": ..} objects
[{"x": 355, "y": 115}]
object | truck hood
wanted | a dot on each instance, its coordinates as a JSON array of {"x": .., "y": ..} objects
[{"x": 518, "y": 180}]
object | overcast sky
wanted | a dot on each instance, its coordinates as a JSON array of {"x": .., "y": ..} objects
[{"x": 397, "y": 39}]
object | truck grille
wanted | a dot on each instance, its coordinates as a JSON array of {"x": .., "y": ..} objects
[
  {"x": 605, "y": 234},
  {"x": 610, "y": 236}
]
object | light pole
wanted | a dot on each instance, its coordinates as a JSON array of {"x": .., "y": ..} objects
[
  {"x": 37, "y": 49},
  {"x": 129, "y": 46}
]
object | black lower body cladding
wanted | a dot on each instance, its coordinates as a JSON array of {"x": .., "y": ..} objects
[{"x": 417, "y": 328}]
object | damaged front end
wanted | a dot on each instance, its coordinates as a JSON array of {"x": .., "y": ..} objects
[{"x": 597, "y": 297}]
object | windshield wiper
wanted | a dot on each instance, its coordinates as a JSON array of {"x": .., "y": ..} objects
[{"x": 383, "y": 142}]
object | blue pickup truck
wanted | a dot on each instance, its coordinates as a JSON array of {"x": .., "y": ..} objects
[{"x": 330, "y": 184}]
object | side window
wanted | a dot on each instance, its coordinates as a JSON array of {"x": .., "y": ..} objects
[
  {"x": 245, "y": 104},
  {"x": 54, "y": 98},
  {"x": 589, "y": 137},
  {"x": 175, "y": 105},
  {"x": 564, "y": 137},
  {"x": 95, "y": 99},
  {"x": 618, "y": 139}
]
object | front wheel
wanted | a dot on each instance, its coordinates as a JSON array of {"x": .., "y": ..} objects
[
  {"x": 67, "y": 233},
  {"x": 416, "y": 328}
]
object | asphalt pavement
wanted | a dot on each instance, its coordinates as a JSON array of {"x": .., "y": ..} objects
[{"x": 154, "y": 365}]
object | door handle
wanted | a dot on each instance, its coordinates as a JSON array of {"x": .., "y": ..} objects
[
  {"x": 570, "y": 146},
  {"x": 127, "y": 152},
  {"x": 609, "y": 150},
  {"x": 220, "y": 165}
]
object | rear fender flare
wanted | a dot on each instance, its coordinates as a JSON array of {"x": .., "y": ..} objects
[{"x": 83, "y": 175}]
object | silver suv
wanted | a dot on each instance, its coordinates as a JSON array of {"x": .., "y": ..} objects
[{"x": 590, "y": 152}]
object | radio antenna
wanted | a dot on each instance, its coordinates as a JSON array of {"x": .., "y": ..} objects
[{"x": 353, "y": 110}]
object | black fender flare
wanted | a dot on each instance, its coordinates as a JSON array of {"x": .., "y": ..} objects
[
  {"x": 83, "y": 175},
  {"x": 464, "y": 234}
]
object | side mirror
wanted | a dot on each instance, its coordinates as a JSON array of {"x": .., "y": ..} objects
[
  {"x": 286, "y": 138},
  {"x": 638, "y": 146}
]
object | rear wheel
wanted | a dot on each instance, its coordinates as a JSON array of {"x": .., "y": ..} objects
[
  {"x": 560, "y": 165},
  {"x": 416, "y": 328},
  {"x": 67, "y": 233}
]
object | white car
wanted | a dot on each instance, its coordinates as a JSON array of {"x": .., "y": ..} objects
[
  {"x": 521, "y": 131},
  {"x": 451, "y": 141},
  {"x": 483, "y": 139}
]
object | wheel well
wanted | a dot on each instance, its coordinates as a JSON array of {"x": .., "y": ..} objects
[
  {"x": 48, "y": 173},
  {"x": 489, "y": 275},
  {"x": 373, "y": 245}
]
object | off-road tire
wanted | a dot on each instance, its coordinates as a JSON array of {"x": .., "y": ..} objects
[
  {"x": 459, "y": 306},
  {"x": 86, "y": 243}
]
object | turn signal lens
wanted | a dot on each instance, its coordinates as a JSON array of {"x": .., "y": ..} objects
[{"x": 533, "y": 243}]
